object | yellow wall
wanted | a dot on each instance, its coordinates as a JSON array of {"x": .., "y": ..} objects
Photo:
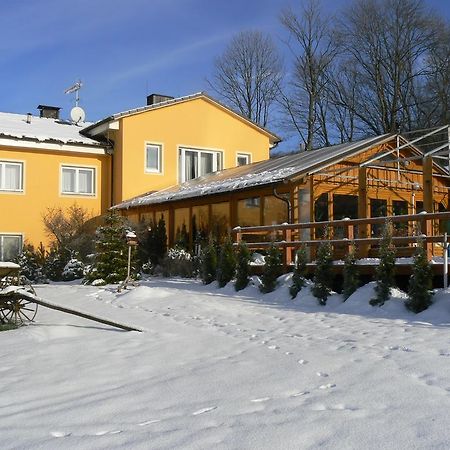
[
  {"x": 195, "y": 123},
  {"x": 21, "y": 213}
]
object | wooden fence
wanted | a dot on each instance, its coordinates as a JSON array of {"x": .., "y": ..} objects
[{"x": 365, "y": 234}]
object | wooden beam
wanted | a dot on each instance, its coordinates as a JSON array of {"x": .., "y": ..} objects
[
  {"x": 363, "y": 249},
  {"x": 428, "y": 184}
]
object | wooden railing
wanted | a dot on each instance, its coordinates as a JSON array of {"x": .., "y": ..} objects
[{"x": 365, "y": 234}]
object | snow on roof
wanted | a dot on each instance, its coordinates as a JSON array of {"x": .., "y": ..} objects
[
  {"x": 261, "y": 173},
  {"x": 42, "y": 129}
]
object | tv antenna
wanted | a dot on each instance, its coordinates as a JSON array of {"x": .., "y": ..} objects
[
  {"x": 75, "y": 88},
  {"x": 77, "y": 113}
]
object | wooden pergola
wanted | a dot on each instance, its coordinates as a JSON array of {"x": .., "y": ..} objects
[{"x": 401, "y": 173}]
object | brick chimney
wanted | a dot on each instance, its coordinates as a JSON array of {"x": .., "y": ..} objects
[{"x": 157, "y": 98}]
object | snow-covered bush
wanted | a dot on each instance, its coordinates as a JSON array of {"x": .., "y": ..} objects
[
  {"x": 421, "y": 282},
  {"x": 272, "y": 270},
  {"x": 31, "y": 264},
  {"x": 385, "y": 270},
  {"x": 208, "y": 263},
  {"x": 177, "y": 262},
  {"x": 299, "y": 272},
  {"x": 323, "y": 277},
  {"x": 111, "y": 255},
  {"x": 152, "y": 244},
  {"x": 242, "y": 267},
  {"x": 55, "y": 261},
  {"x": 73, "y": 270},
  {"x": 226, "y": 264},
  {"x": 351, "y": 274}
]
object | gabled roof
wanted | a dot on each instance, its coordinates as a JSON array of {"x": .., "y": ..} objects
[
  {"x": 42, "y": 130},
  {"x": 264, "y": 173},
  {"x": 90, "y": 130}
]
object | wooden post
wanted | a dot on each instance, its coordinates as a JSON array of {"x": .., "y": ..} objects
[
  {"x": 238, "y": 235},
  {"x": 233, "y": 212},
  {"x": 428, "y": 184},
  {"x": 171, "y": 226},
  {"x": 445, "y": 261},
  {"x": 350, "y": 236},
  {"x": 312, "y": 231},
  {"x": 427, "y": 226},
  {"x": 363, "y": 230},
  {"x": 288, "y": 250},
  {"x": 427, "y": 229},
  {"x": 262, "y": 201}
]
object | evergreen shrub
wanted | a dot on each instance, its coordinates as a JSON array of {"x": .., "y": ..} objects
[{"x": 299, "y": 272}]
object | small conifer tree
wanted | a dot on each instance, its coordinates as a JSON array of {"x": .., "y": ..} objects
[
  {"x": 208, "y": 267},
  {"x": 111, "y": 257},
  {"x": 351, "y": 274},
  {"x": 31, "y": 264},
  {"x": 272, "y": 269},
  {"x": 226, "y": 264},
  {"x": 154, "y": 242},
  {"x": 421, "y": 282},
  {"x": 55, "y": 261},
  {"x": 299, "y": 273},
  {"x": 323, "y": 274},
  {"x": 385, "y": 270},
  {"x": 242, "y": 267}
]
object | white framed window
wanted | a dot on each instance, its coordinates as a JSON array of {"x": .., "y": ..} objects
[
  {"x": 153, "y": 158},
  {"x": 11, "y": 176},
  {"x": 243, "y": 158},
  {"x": 10, "y": 246},
  {"x": 196, "y": 163},
  {"x": 78, "y": 180}
]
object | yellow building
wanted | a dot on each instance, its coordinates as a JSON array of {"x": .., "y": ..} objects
[
  {"x": 49, "y": 163},
  {"x": 171, "y": 141}
]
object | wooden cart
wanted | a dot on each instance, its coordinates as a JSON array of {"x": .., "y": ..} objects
[
  {"x": 15, "y": 304},
  {"x": 19, "y": 302}
]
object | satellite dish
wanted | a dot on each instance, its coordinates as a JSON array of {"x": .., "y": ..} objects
[{"x": 77, "y": 114}]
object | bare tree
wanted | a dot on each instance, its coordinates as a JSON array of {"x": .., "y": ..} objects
[
  {"x": 435, "y": 95},
  {"x": 305, "y": 104},
  {"x": 385, "y": 43},
  {"x": 341, "y": 91},
  {"x": 69, "y": 229},
  {"x": 248, "y": 74}
]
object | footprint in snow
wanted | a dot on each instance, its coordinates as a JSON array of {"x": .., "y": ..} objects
[
  {"x": 148, "y": 422},
  {"x": 104, "y": 432},
  {"x": 327, "y": 386},
  {"x": 260, "y": 400},
  {"x": 299, "y": 394},
  {"x": 59, "y": 434},
  {"x": 204, "y": 410}
]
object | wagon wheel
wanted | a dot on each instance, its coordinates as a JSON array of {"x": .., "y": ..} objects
[{"x": 18, "y": 311}]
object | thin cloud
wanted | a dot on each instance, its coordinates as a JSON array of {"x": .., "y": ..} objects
[{"x": 174, "y": 57}]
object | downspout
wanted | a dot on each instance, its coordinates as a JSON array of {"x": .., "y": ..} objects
[
  {"x": 285, "y": 200},
  {"x": 110, "y": 152}
]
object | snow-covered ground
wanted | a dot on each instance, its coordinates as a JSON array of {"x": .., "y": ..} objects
[{"x": 217, "y": 369}]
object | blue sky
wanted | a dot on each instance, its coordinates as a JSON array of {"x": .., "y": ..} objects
[{"x": 123, "y": 50}]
